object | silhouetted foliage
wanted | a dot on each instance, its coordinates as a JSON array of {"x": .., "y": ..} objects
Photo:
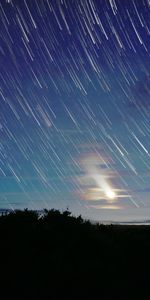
[{"x": 42, "y": 254}]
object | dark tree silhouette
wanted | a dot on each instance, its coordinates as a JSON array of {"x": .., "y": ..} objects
[{"x": 42, "y": 254}]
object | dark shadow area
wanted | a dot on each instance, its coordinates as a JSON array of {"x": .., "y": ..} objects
[{"x": 59, "y": 254}]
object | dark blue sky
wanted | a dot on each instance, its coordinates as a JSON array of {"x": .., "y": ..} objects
[{"x": 75, "y": 107}]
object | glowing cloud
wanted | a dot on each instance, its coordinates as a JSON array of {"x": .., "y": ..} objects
[
  {"x": 93, "y": 170},
  {"x": 96, "y": 183}
]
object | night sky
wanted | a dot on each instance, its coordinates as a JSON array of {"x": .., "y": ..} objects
[{"x": 75, "y": 107}]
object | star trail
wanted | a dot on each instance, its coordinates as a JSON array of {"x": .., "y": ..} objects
[{"x": 75, "y": 107}]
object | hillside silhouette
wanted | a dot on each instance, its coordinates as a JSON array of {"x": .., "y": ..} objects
[{"x": 57, "y": 253}]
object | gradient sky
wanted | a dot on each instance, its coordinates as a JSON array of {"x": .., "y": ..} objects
[{"x": 75, "y": 107}]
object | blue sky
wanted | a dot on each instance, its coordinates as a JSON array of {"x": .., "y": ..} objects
[{"x": 75, "y": 106}]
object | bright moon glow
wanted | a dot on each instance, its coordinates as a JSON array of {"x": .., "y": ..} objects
[
  {"x": 110, "y": 194},
  {"x": 91, "y": 166}
]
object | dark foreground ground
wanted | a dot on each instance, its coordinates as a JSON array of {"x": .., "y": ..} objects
[{"x": 59, "y": 255}]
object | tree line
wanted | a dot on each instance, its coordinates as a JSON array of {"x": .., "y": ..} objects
[{"x": 56, "y": 252}]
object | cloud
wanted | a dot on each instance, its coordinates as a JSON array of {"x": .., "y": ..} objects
[
  {"x": 95, "y": 182},
  {"x": 106, "y": 206}
]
